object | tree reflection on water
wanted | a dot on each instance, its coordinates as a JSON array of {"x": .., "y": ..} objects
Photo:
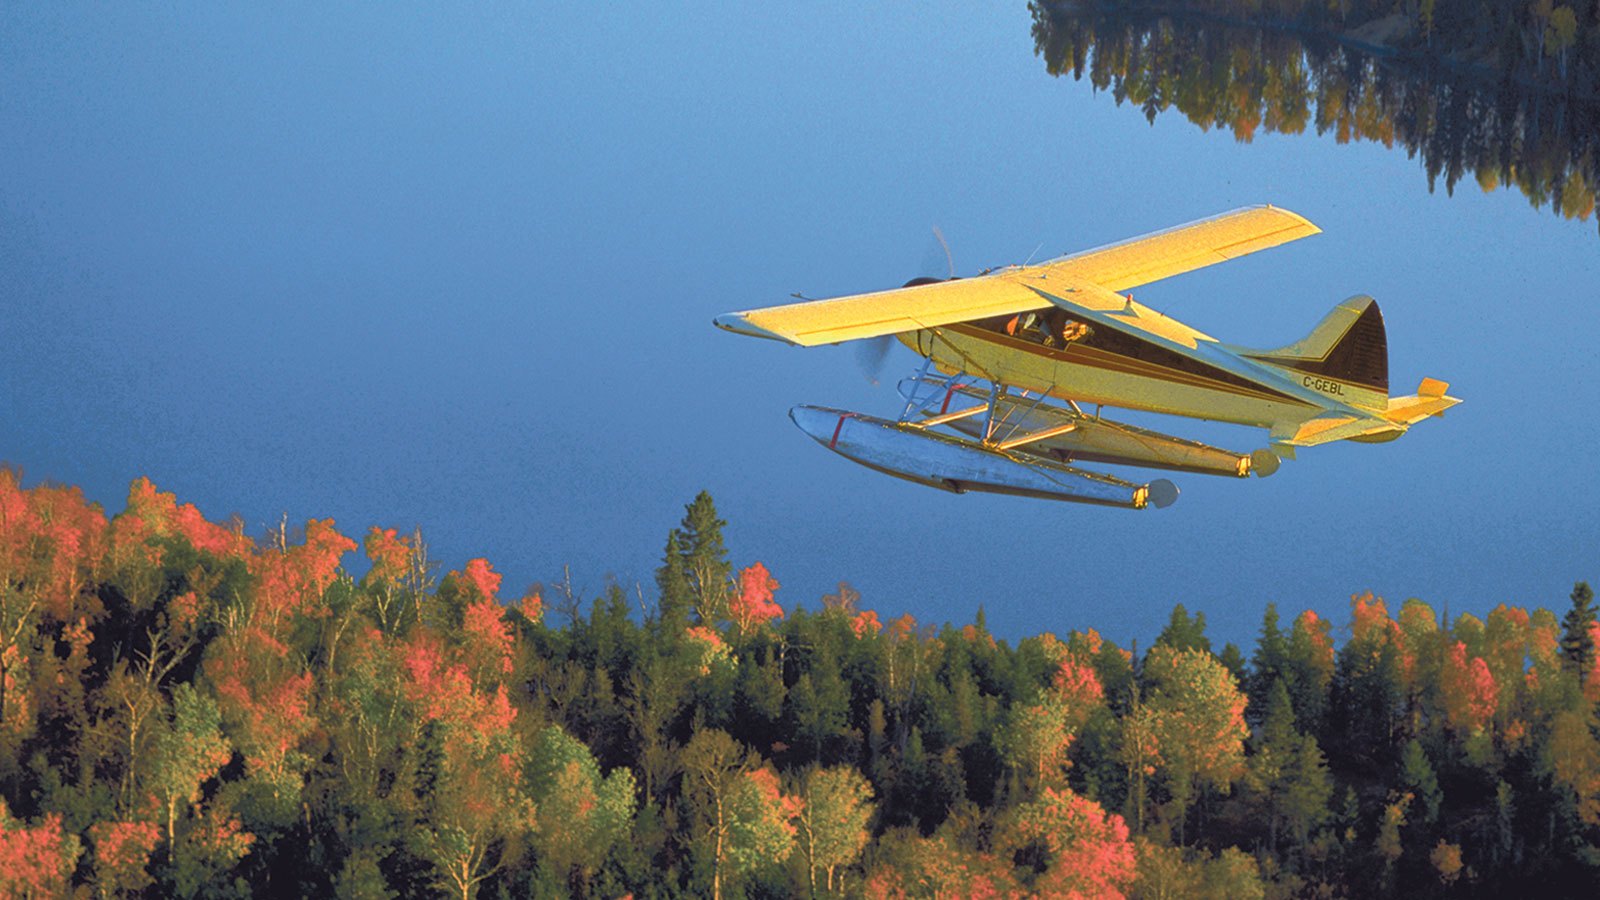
[{"x": 1225, "y": 74}]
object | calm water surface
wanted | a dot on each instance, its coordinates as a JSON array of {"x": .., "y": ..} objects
[{"x": 458, "y": 271}]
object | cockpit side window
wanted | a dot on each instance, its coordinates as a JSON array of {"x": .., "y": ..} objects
[{"x": 1051, "y": 327}]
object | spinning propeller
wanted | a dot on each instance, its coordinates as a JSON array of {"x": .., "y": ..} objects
[{"x": 871, "y": 353}]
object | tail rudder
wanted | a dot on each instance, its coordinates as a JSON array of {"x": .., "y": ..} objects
[{"x": 1346, "y": 355}]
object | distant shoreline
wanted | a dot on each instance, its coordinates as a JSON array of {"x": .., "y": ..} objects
[
  {"x": 1369, "y": 82},
  {"x": 1382, "y": 38}
]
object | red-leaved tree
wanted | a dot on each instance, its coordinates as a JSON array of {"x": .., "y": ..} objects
[
  {"x": 753, "y": 605},
  {"x": 121, "y": 854},
  {"x": 36, "y": 861}
]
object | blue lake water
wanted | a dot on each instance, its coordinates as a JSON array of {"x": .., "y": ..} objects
[{"x": 458, "y": 270}]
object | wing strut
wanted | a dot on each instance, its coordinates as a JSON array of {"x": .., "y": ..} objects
[
  {"x": 922, "y": 377},
  {"x": 1035, "y": 436}
]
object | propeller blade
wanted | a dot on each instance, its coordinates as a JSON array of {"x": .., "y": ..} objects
[
  {"x": 937, "y": 263},
  {"x": 871, "y": 354}
]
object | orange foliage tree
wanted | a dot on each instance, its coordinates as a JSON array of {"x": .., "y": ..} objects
[
  {"x": 293, "y": 579},
  {"x": 50, "y": 550},
  {"x": 486, "y": 635},
  {"x": 477, "y": 799},
  {"x": 753, "y": 604},
  {"x": 1468, "y": 690},
  {"x": 265, "y": 694},
  {"x": 121, "y": 855},
  {"x": 1076, "y": 850},
  {"x": 36, "y": 861}
]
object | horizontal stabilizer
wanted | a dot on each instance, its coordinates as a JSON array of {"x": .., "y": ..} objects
[
  {"x": 1330, "y": 428},
  {"x": 1402, "y": 412},
  {"x": 1430, "y": 400}
]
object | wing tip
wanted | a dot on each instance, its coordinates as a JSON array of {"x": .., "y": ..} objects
[
  {"x": 738, "y": 323},
  {"x": 1295, "y": 218}
]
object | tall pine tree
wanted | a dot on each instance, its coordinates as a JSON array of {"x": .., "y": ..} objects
[
  {"x": 1577, "y": 638},
  {"x": 673, "y": 605},
  {"x": 706, "y": 569},
  {"x": 1268, "y": 664},
  {"x": 1184, "y": 633}
]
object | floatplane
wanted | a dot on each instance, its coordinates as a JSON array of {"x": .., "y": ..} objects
[{"x": 1018, "y": 352}]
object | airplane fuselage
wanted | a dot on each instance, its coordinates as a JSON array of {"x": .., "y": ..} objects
[{"x": 1182, "y": 372}]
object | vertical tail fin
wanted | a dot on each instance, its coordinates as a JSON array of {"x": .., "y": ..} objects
[{"x": 1349, "y": 346}]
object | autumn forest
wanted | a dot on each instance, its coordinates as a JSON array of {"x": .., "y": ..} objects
[{"x": 188, "y": 711}]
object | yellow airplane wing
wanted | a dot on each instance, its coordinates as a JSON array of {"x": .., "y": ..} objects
[
  {"x": 1180, "y": 249},
  {"x": 816, "y": 322},
  {"x": 1006, "y": 291}
]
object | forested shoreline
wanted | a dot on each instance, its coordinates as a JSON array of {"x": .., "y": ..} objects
[
  {"x": 1500, "y": 119},
  {"x": 189, "y": 711},
  {"x": 1554, "y": 44}
]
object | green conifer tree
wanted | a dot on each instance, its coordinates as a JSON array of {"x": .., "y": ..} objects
[
  {"x": 1232, "y": 659},
  {"x": 1269, "y": 662},
  {"x": 1277, "y": 723},
  {"x": 1417, "y": 774},
  {"x": 1577, "y": 640},
  {"x": 1290, "y": 775},
  {"x": 1184, "y": 633},
  {"x": 706, "y": 569},
  {"x": 672, "y": 609},
  {"x": 1310, "y": 787}
]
